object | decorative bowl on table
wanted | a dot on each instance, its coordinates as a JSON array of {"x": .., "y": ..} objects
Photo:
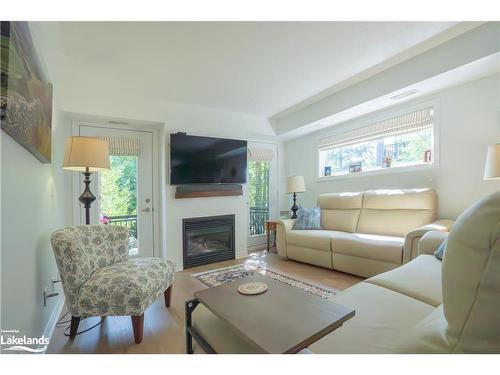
[{"x": 252, "y": 288}]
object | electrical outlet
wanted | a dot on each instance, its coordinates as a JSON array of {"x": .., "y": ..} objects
[
  {"x": 54, "y": 281},
  {"x": 48, "y": 295},
  {"x": 45, "y": 297}
]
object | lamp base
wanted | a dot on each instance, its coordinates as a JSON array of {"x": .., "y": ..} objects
[
  {"x": 294, "y": 208},
  {"x": 87, "y": 197}
]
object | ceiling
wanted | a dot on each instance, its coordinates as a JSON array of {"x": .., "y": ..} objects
[{"x": 259, "y": 68}]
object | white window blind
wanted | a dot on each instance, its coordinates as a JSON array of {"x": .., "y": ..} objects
[
  {"x": 260, "y": 154},
  {"x": 123, "y": 146},
  {"x": 403, "y": 124}
]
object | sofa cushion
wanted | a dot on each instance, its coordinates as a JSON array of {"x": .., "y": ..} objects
[
  {"x": 419, "y": 279},
  {"x": 363, "y": 267},
  {"x": 307, "y": 255},
  {"x": 381, "y": 316},
  {"x": 340, "y": 211},
  {"x": 341, "y": 220},
  {"x": 312, "y": 239},
  {"x": 400, "y": 199},
  {"x": 471, "y": 278},
  {"x": 372, "y": 246},
  {"x": 396, "y": 212}
]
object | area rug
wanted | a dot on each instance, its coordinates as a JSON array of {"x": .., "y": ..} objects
[{"x": 226, "y": 275}]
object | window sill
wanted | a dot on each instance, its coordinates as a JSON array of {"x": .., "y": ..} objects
[{"x": 384, "y": 171}]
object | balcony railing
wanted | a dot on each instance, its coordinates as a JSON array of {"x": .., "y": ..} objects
[
  {"x": 129, "y": 221},
  {"x": 258, "y": 217}
]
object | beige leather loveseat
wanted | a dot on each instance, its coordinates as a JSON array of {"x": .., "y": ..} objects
[{"x": 364, "y": 233}]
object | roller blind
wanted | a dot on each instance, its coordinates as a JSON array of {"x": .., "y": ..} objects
[
  {"x": 260, "y": 154},
  {"x": 123, "y": 146},
  {"x": 403, "y": 124}
]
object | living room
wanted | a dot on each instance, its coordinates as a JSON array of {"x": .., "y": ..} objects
[{"x": 166, "y": 189}]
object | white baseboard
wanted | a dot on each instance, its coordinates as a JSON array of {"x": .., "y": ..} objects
[
  {"x": 178, "y": 267},
  {"x": 256, "y": 248},
  {"x": 54, "y": 317}
]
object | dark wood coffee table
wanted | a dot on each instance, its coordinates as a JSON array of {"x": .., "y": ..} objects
[{"x": 284, "y": 319}]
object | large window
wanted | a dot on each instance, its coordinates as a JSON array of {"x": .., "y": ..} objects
[{"x": 401, "y": 141}]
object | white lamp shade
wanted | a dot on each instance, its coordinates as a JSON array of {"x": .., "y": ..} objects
[
  {"x": 81, "y": 153},
  {"x": 492, "y": 167},
  {"x": 295, "y": 184}
]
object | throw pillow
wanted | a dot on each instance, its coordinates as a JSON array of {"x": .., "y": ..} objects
[
  {"x": 439, "y": 253},
  {"x": 308, "y": 218}
]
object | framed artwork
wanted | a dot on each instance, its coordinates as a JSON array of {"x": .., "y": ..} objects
[
  {"x": 25, "y": 93},
  {"x": 355, "y": 167}
]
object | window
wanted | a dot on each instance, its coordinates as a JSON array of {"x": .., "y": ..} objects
[
  {"x": 258, "y": 196},
  {"x": 401, "y": 141},
  {"x": 118, "y": 196}
]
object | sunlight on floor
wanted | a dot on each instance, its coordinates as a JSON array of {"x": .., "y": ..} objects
[{"x": 256, "y": 260}]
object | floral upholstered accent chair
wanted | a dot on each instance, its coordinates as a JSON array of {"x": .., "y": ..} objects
[{"x": 99, "y": 279}]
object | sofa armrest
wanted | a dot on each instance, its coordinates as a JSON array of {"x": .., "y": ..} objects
[
  {"x": 430, "y": 242},
  {"x": 412, "y": 238},
  {"x": 282, "y": 227}
]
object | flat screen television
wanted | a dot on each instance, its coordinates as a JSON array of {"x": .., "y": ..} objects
[{"x": 205, "y": 160}]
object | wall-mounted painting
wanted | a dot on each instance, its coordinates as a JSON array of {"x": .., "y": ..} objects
[{"x": 25, "y": 93}]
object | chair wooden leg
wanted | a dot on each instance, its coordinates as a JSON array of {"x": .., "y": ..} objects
[
  {"x": 168, "y": 296},
  {"x": 75, "y": 321},
  {"x": 138, "y": 327}
]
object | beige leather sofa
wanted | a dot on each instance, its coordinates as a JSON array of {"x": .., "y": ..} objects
[
  {"x": 364, "y": 233},
  {"x": 424, "y": 306}
]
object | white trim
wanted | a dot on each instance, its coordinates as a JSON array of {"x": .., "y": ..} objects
[
  {"x": 381, "y": 116},
  {"x": 178, "y": 267},
  {"x": 382, "y": 171},
  {"x": 54, "y": 317},
  {"x": 241, "y": 255}
]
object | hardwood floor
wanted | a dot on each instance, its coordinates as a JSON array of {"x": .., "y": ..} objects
[{"x": 164, "y": 328}]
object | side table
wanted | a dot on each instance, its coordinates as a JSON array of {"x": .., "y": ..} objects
[{"x": 271, "y": 226}]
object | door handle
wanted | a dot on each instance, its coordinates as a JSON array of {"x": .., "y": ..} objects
[{"x": 147, "y": 209}]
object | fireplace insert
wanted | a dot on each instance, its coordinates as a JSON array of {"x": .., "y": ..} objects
[{"x": 207, "y": 240}]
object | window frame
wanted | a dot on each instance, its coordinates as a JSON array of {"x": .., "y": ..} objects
[{"x": 381, "y": 116}]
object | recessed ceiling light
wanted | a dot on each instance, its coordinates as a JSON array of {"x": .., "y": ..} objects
[{"x": 404, "y": 94}]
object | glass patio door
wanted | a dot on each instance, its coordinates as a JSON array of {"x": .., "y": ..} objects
[
  {"x": 262, "y": 190},
  {"x": 125, "y": 192}
]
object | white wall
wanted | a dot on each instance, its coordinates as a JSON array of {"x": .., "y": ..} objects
[
  {"x": 469, "y": 122},
  {"x": 34, "y": 203}
]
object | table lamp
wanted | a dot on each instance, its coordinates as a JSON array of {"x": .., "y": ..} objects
[
  {"x": 492, "y": 167},
  {"x": 87, "y": 155},
  {"x": 294, "y": 185}
]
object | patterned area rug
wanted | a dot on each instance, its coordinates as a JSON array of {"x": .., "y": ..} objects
[{"x": 226, "y": 275}]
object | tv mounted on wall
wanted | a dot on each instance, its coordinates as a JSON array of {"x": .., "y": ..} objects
[{"x": 206, "y": 160}]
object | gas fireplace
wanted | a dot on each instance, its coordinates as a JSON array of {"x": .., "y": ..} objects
[{"x": 207, "y": 240}]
